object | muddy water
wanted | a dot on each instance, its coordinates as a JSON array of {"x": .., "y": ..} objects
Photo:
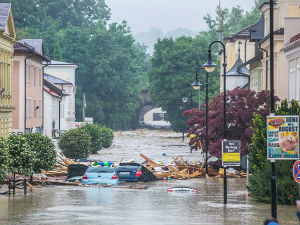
[{"x": 154, "y": 206}]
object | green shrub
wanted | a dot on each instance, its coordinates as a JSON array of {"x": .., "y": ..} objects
[
  {"x": 22, "y": 158},
  {"x": 107, "y": 136},
  {"x": 4, "y": 158},
  {"x": 259, "y": 182},
  {"x": 75, "y": 143},
  {"x": 95, "y": 133},
  {"x": 44, "y": 149}
]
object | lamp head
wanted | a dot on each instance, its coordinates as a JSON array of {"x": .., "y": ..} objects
[
  {"x": 184, "y": 99},
  {"x": 209, "y": 66},
  {"x": 196, "y": 85}
]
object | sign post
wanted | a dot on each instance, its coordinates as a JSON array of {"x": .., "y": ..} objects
[{"x": 231, "y": 156}]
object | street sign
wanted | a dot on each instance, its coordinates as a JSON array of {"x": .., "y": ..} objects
[
  {"x": 296, "y": 171},
  {"x": 283, "y": 137},
  {"x": 231, "y": 152}
]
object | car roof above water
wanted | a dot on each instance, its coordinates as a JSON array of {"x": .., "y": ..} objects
[{"x": 100, "y": 170}]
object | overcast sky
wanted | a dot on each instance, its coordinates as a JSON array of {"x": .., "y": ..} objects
[{"x": 168, "y": 15}]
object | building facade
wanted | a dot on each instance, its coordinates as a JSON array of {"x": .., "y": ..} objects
[
  {"x": 7, "y": 40},
  {"x": 28, "y": 86},
  {"x": 65, "y": 72}
]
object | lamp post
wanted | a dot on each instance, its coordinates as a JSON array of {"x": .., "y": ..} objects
[
  {"x": 206, "y": 111},
  {"x": 210, "y": 66},
  {"x": 273, "y": 176}
]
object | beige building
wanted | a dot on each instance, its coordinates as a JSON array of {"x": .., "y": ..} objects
[
  {"x": 7, "y": 40},
  {"x": 286, "y": 15}
]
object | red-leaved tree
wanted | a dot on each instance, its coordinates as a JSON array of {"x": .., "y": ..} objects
[{"x": 241, "y": 104}]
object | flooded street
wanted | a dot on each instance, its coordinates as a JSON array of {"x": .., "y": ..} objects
[{"x": 153, "y": 206}]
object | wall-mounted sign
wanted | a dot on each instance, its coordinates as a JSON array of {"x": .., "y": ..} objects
[
  {"x": 283, "y": 137},
  {"x": 231, "y": 152}
]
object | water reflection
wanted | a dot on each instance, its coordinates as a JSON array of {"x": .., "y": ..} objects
[{"x": 87, "y": 205}]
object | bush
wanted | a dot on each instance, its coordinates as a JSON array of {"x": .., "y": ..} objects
[
  {"x": 75, "y": 143},
  {"x": 22, "y": 158},
  {"x": 95, "y": 133},
  {"x": 4, "y": 158},
  {"x": 107, "y": 136},
  {"x": 44, "y": 149},
  {"x": 259, "y": 182}
]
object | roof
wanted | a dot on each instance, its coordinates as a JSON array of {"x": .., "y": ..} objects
[
  {"x": 55, "y": 80},
  {"x": 245, "y": 33},
  {"x": 257, "y": 30},
  {"x": 37, "y": 44},
  {"x": 4, "y": 14},
  {"x": 58, "y": 63},
  {"x": 237, "y": 69},
  {"x": 24, "y": 47},
  {"x": 52, "y": 89}
]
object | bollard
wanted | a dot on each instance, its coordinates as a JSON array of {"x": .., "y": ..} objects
[
  {"x": 14, "y": 184},
  {"x": 25, "y": 186},
  {"x": 9, "y": 186}
]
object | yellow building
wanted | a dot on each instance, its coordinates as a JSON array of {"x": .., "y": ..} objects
[
  {"x": 7, "y": 40},
  {"x": 286, "y": 15}
]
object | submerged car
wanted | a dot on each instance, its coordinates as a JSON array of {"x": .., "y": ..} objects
[
  {"x": 134, "y": 172},
  {"x": 100, "y": 175}
]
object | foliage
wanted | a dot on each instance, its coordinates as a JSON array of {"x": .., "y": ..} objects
[
  {"x": 241, "y": 104},
  {"x": 4, "y": 158},
  {"x": 173, "y": 71},
  {"x": 112, "y": 68},
  {"x": 44, "y": 150},
  {"x": 75, "y": 143},
  {"x": 232, "y": 20},
  {"x": 95, "y": 133},
  {"x": 107, "y": 136},
  {"x": 259, "y": 182},
  {"x": 22, "y": 158}
]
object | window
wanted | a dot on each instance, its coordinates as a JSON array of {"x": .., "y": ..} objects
[
  {"x": 35, "y": 108},
  {"x": 40, "y": 77},
  {"x": 34, "y": 76},
  {"x": 28, "y": 108},
  {"x": 159, "y": 116},
  {"x": 28, "y": 74}
]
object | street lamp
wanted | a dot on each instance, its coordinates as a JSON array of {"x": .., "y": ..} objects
[
  {"x": 210, "y": 66},
  {"x": 206, "y": 111}
]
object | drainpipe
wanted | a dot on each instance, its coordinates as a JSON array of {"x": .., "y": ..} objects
[
  {"x": 267, "y": 55},
  {"x": 59, "y": 101},
  {"x": 25, "y": 89}
]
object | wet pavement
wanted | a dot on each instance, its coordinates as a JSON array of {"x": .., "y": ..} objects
[{"x": 154, "y": 206}]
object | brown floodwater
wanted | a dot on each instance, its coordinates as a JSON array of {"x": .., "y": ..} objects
[{"x": 154, "y": 206}]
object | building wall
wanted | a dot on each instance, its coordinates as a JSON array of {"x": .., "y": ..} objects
[
  {"x": 34, "y": 93},
  {"x": 51, "y": 115},
  {"x": 6, "y": 74},
  {"x": 67, "y": 73},
  {"x": 148, "y": 117},
  {"x": 16, "y": 117},
  {"x": 256, "y": 79}
]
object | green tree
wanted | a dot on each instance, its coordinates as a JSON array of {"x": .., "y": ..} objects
[
  {"x": 44, "y": 151},
  {"x": 22, "y": 158},
  {"x": 173, "y": 71},
  {"x": 75, "y": 143},
  {"x": 107, "y": 136},
  {"x": 259, "y": 182},
  {"x": 94, "y": 131},
  {"x": 4, "y": 158}
]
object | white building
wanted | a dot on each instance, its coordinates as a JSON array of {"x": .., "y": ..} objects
[
  {"x": 52, "y": 99},
  {"x": 64, "y": 72}
]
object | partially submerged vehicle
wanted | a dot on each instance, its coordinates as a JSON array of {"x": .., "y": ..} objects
[
  {"x": 100, "y": 175},
  {"x": 76, "y": 171},
  {"x": 182, "y": 189},
  {"x": 134, "y": 172}
]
